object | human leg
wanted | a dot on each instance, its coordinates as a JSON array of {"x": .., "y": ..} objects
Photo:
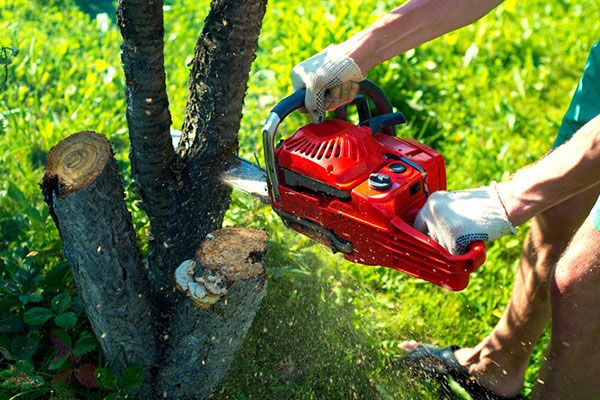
[
  {"x": 499, "y": 360},
  {"x": 573, "y": 359}
]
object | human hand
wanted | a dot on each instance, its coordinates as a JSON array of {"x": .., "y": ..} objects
[
  {"x": 331, "y": 79},
  {"x": 456, "y": 219}
]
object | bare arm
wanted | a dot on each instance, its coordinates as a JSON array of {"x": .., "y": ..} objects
[
  {"x": 406, "y": 27},
  {"x": 331, "y": 76},
  {"x": 568, "y": 170}
]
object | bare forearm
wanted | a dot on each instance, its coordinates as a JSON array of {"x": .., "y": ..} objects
[
  {"x": 568, "y": 170},
  {"x": 406, "y": 27}
]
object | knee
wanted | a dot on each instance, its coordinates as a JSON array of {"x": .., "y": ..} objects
[
  {"x": 564, "y": 282},
  {"x": 577, "y": 273},
  {"x": 569, "y": 303}
]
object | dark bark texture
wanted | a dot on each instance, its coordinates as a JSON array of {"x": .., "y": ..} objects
[
  {"x": 218, "y": 80},
  {"x": 204, "y": 341},
  {"x": 137, "y": 315},
  {"x": 151, "y": 154},
  {"x": 215, "y": 335},
  {"x": 99, "y": 242}
]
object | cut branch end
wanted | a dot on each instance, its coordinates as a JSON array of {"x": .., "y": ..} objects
[
  {"x": 236, "y": 253},
  {"x": 224, "y": 257},
  {"x": 75, "y": 162}
]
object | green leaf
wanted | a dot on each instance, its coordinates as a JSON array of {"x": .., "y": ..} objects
[
  {"x": 61, "y": 302},
  {"x": 10, "y": 323},
  {"x": 37, "y": 316},
  {"x": 15, "y": 194},
  {"x": 55, "y": 277},
  {"x": 30, "y": 298},
  {"x": 4, "y": 346},
  {"x": 24, "y": 366},
  {"x": 24, "y": 347},
  {"x": 66, "y": 320},
  {"x": 34, "y": 215},
  {"x": 60, "y": 339},
  {"x": 132, "y": 378},
  {"x": 4, "y": 352},
  {"x": 106, "y": 378},
  {"x": 86, "y": 343},
  {"x": 58, "y": 362}
]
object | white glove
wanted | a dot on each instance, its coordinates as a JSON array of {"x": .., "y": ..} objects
[
  {"x": 456, "y": 219},
  {"x": 331, "y": 79}
]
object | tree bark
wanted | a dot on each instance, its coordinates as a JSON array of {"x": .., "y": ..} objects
[
  {"x": 218, "y": 80},
  {"x": 151, "y": 153},
  {"x": 186, "y": 341},
  {"x": 86, "y": 199},
  {"x": 225, "y": 285}
]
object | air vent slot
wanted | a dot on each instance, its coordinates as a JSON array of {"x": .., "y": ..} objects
[{"x": 339, "y": 147}]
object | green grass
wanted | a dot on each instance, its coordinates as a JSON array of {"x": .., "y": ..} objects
[{"x": 489, "y": 97}]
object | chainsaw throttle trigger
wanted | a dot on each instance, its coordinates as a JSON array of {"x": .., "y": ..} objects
[{"x": 380, "y": 122}]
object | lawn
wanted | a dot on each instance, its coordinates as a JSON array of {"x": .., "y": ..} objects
[{"x": 490, "y": 97}]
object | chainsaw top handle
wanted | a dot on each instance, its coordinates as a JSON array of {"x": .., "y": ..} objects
[
  {"x": 295, "y": 101},
  {"x": 367, "y": 88}
]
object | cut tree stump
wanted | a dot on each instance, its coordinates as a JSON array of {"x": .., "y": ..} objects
[
  {"x": 225, "y": 284},
  {"x": 86, "y": 199}
]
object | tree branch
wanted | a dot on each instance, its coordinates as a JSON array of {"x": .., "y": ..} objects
[
  {"x": 148, "y": 119},
  {"x": 86, "y": 199},
  {"x": 218, "y": 80}
]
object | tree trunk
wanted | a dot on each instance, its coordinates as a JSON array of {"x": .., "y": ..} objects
[
  {"x": 220, "y": 68},
  {"x": 223, "y": 285},
  {"x": 226, "y": 284},
  {"x": 85, "y": 195},
  {"x": 151, "y": 153},
  {"x": 186, "y": 340}
]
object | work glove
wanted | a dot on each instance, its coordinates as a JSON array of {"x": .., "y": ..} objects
[
  {"x": 456, "y": 219},
  {"x": 331, "y": 79}
]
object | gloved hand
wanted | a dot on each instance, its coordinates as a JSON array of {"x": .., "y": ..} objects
[
  {"x": 456, "y": 219},
  {"x": 330, "y": 78}
]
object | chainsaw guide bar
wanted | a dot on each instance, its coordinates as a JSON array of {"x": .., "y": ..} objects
[{"x": 249, "y": 178}]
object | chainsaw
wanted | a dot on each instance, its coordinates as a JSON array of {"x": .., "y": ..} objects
[{"x": 356, "y": 188}]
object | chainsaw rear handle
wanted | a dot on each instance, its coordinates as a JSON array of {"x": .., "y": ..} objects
[{"x": 295, "y": 101}]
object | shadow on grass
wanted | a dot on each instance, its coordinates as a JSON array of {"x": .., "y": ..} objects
[
  {"x": 303, "y": 344},
  {"x": 95, "y": 7}
]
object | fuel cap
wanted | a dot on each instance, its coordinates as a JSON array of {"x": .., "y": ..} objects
[
  {"x": 398, "y": 168},
  {"x": 380, "y": 181}
]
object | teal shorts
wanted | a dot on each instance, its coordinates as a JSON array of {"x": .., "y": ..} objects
[{"x": 585, "y": 105}]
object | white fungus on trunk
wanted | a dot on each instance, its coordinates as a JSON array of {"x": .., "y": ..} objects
[{"x": 204, "y": 288}]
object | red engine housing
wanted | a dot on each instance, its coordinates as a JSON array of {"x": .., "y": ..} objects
[{"x": 359, "y": 193}]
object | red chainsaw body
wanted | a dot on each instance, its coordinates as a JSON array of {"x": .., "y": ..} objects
[{"x": 327, "y": 191}]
